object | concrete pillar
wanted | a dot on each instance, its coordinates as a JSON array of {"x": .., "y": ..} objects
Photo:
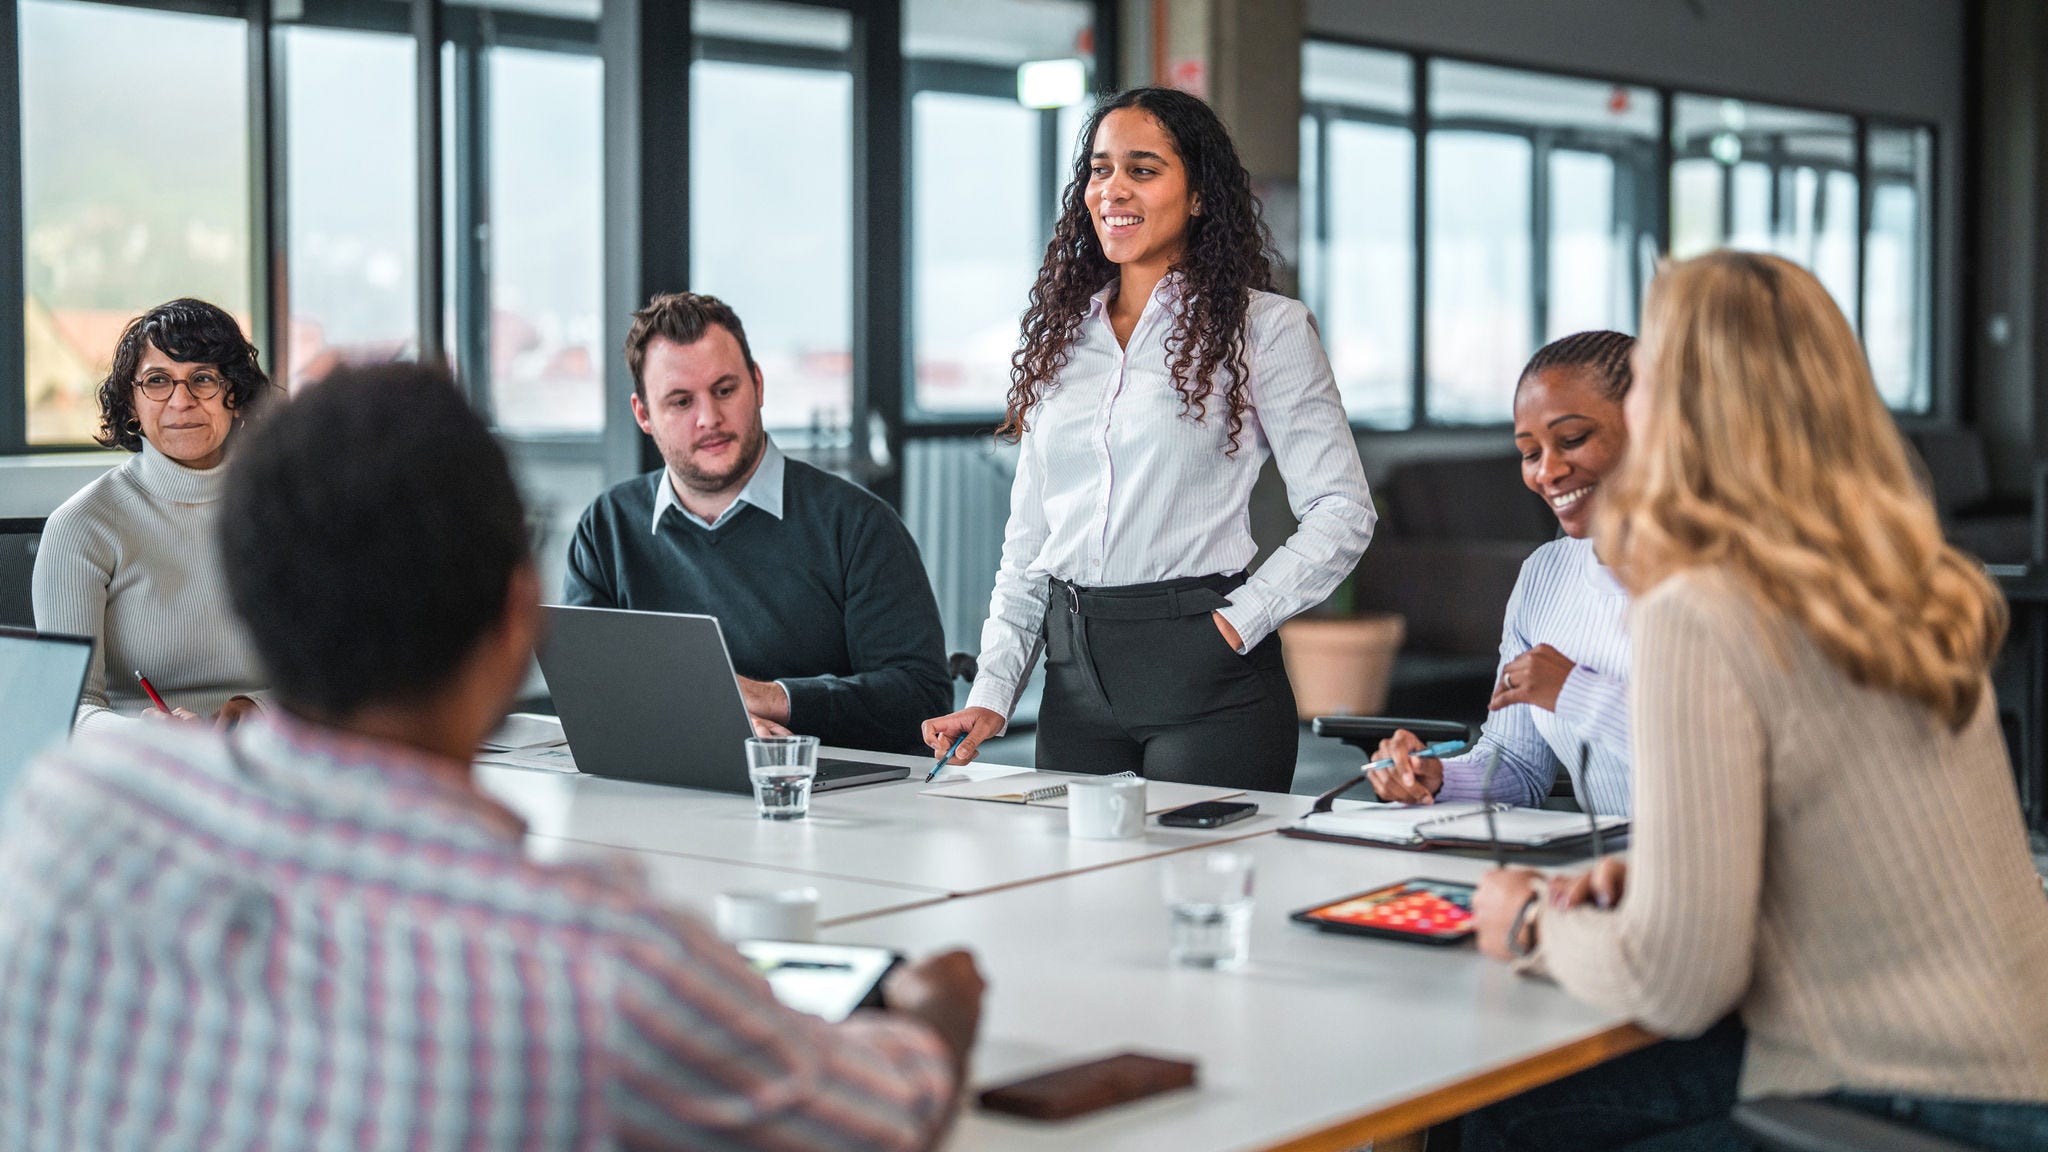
[{"x": 1244, "y": 57}]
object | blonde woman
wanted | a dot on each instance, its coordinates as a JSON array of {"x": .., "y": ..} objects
[{"x": 1828, "y": 852}]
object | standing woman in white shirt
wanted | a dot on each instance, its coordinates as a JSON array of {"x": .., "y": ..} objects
[{"x": 1158, "y": 372}]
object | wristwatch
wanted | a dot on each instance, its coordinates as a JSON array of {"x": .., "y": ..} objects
[{"x": 1516, "y": 946}]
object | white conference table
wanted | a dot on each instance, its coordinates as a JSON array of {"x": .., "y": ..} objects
[
  {"x": 692, "y": 882},
  {"x": 1322, "y": 1042},
  {"x": 881, "y": 833}
]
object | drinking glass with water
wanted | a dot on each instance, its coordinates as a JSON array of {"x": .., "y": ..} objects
[
  {"x": 1209, "y": 902},
  {"x": 782, "y": 768}
]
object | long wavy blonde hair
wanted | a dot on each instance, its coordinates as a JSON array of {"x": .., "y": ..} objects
[{"x": 1761, "y": 449}]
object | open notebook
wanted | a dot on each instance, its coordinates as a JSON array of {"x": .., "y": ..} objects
[
  {"x": 1049, "y": 790},
  {"x": 1414, "y": 825}
]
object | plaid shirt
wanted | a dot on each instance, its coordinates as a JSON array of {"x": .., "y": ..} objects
[{"x": 297, "y": 939}]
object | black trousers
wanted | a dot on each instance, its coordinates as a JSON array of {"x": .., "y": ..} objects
[{"x": 1138, "y": 679}]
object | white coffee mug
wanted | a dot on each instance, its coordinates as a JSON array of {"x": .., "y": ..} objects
[
  {"x": 1105, "y": 807},
  {"x": 787, "y": 914}
]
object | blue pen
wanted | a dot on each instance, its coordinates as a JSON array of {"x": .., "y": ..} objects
[
  {"x": 941, "y": 761},
  {"x": 1436, "y": 751}
]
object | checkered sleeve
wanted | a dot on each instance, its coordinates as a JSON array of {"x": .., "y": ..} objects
[{"x": 701, "y": 1055}]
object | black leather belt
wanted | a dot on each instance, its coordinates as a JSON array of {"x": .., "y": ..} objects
[{"x": 1163, "y": 600}]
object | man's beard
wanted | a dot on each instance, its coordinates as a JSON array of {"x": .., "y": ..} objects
[{"x": 752, "y": 443}]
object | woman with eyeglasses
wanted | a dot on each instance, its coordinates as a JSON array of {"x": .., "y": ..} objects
[{"x": 129, "y": 560}]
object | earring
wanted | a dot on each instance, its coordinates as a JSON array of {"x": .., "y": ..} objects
[{"x": 133, "y": 427}]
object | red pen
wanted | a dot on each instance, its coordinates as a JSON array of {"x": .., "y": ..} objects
[{"x": 153, "y": 697}]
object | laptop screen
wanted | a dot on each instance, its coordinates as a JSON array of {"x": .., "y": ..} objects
[{"x": 40, "y": 679}]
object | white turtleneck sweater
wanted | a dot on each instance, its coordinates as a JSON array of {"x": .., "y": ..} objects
[{"x": 130, "y": 561}]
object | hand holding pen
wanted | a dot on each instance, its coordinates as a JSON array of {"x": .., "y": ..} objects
[
  {"x": 1406, "y": 772},
  {"x": 163, "y": 711},
  {"x": 946, "y": 756}
]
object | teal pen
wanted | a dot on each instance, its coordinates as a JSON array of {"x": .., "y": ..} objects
[
  {"x": 941, "y": 761},
  {"x": 1436, "y": 751}
]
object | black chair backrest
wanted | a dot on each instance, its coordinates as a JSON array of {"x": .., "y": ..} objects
[{"x": 18, "y": 541}]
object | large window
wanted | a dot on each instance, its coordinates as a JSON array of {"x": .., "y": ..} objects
[
  {"x": 771, "y": 197},
  {"x": 1544, "y": 199},
  {"x": 546, "y": 234},
  {"x": 135, "y": 187},
  {"x": 1768, "y": 179},
  {"x": 998, "y": 91},
  {"x": 1898, "y": 265},
  {"x": 351, "y": 207},
  {"x": 1358, "y": 223}
]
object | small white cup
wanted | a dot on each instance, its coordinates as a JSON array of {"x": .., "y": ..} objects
[
  {"x": 1105, "y": 807},
  {"x": 788, "y": 914}
]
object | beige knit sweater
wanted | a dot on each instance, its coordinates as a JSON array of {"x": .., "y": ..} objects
[{"x": 1830, "y": 859}]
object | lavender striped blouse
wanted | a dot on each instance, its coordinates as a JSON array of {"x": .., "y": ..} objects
[
  {"x": 1116, "y": 485},
  {"x": 1567, "y": 599}
]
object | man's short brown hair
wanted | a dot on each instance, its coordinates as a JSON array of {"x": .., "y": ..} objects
[{"x": 683, "y": 317}]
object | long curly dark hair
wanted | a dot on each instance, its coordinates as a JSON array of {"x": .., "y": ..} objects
[
  {"x": 1229, "y": 254},
  {"x": 190, "y": 332}
]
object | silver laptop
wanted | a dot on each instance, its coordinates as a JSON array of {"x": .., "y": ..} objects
[
  {"x": 651, "y": 696},
  {"x": 41, "y": 677}
]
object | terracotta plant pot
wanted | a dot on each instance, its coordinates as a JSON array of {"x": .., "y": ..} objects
[{"x": 1341, "y": 667}]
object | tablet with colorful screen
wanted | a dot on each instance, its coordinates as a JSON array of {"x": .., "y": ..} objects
[{"x": 1425, "y": 911}]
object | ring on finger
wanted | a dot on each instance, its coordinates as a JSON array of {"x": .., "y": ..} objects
[{"x": 1507, "y": 680}]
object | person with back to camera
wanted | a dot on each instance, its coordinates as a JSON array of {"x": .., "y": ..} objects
[
  {"x": 118, "y": 561},
  {"x": 318, "y": 931},
  {"x": 1158, "y": 373},
  {"x": 1563, "y": 679},
  {"x": 1828, "y": 890}
]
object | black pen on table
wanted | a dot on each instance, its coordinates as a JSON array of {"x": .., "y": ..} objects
[{"x": 941, "y": 761}]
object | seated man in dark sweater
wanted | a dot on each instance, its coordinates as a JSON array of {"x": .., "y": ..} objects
[{"x": 816, "y": 583}]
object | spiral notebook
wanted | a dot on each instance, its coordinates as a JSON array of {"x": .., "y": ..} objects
[
  {"x": 1049, "y": 790},
  {"x": 1464, "y": 822}
]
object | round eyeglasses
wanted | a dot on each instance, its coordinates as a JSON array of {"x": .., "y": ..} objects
[{"x": 204, "y": 384}]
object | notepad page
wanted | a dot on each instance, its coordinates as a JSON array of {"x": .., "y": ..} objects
[
  {"x": 1523, "y": 827},
  {"x": 1390, "y": 823}
]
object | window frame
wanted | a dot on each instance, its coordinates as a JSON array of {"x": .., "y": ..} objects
[{"x": 1421, "y": 121}]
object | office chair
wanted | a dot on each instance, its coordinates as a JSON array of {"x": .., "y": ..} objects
[
  {"x": 1792, "y": 1124},
  {"x": 19, "y": 539},
  {"x": 1365, "y": 732}
]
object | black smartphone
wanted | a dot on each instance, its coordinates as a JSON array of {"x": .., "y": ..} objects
[{"x": 1208, "y": 814}]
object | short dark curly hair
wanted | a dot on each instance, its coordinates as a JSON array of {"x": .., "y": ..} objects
[
  {"x": 370, "y": 538},
  {"x": 190, "y": 332}
]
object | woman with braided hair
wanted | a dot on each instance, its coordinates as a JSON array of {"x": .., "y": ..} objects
[
  {"x": 1158, "y": 372},
  {"x": 1561, "y": 694}
]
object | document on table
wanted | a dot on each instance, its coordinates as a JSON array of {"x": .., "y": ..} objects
[
  {"x": 1462, "y": 822},
  {"x": 556, "y": 759},
  {"x": 1034, "y": 788},
  {"x": 525, "y": 730}
]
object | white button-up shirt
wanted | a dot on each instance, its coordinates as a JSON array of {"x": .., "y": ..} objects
[
  {"x": 1116, "y": 485},
  {"x": 763, "y": 490}
]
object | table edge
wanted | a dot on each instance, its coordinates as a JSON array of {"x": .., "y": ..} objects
[{"x": 1452, "y": 1100}]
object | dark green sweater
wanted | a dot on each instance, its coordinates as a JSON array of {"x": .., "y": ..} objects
[{"x": 831, "y": 600}]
